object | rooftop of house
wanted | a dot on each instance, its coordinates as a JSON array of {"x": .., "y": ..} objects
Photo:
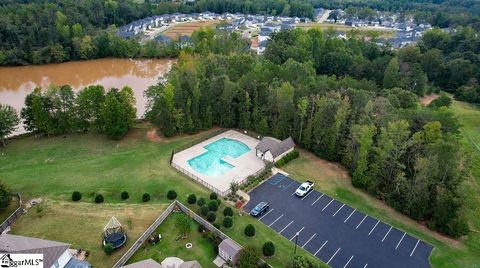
[
  {"x": 51, "y": 250},
  {"x": 275, "y": 146}
]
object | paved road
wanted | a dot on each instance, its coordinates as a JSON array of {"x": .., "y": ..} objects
[{"x": 335, "y": 232}]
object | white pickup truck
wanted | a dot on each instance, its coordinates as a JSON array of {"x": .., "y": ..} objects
[{"x": 304, "y": 188}]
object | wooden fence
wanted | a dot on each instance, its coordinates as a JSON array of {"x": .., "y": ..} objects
[
  {"x": 12, "y": 216},
  {"x": 141, "y": 240}
]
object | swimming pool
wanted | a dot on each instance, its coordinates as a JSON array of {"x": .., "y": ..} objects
[{"x": 211, "y": 164}]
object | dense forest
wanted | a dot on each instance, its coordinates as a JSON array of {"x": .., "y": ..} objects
[{"x": 402, "y": 153}]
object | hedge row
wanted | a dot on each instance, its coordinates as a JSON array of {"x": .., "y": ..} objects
[
  {"x": 287, "y": 158},
  {"x": 252, "y": 182},
  {"x": 77, "y": 196}
]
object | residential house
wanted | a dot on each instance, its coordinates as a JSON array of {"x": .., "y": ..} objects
[{"x": 55, "y": 254}]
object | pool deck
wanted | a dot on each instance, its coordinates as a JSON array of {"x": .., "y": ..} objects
[{"x": 244, "y": 166}]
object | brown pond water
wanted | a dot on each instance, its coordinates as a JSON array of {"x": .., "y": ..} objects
[{"x": 139, "y": 74}]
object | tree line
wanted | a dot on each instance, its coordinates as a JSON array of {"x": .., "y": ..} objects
[
  {"x": 58, "y": 110},
  {"x": 402, "y": 153}
]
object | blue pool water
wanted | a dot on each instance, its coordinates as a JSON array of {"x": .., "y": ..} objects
[{"x": 210, "y": 163}]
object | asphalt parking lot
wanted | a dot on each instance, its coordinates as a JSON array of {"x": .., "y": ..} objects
[{"x": 336, "y": 233}]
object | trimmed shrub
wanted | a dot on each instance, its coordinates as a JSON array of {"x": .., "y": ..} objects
[
  {"x": 213, "y": 196},
  {"x": 249, "y": 230},
  {"x": 204, "y": 210},
  {"x": 228, "y": 211},
  {"x": 171, "y": 194},
  {"x": 192, "y": 199},
  {"x": 213, "y": 205},
  {"x": 108, "y": 248},
  {"x": 76, "y": 196},
  {"x": 268, "y": 249},
  {"x": 227, "y": 222},
  {"x": 146, "y": 197},
  {"x": 99, "y": 199},
  {"x": 201, "y": 201},
  {"x": 211, "y": 216},
  {"x": 216, "y": 225},
  {"x": 125, "y": 195},
  {"x": 219, "y": 201},
  {"x": 287, "y": 158},
  {"x": 200, "y": 228}
]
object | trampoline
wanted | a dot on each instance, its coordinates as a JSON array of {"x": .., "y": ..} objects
[{"x": 114, "y": 234}]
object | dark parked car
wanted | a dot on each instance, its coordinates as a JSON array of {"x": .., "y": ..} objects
[{"x": 259, "y": 209}]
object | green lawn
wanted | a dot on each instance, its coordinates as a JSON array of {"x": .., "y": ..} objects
[
  {"x": 52, "y": 168},
  {"x": 5, "y": 213},
  {"x": 202, "y": 250},
  {"x": 464, "y": 252}
]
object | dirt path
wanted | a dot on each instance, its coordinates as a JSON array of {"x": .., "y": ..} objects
[
  {"x": 425, "y": 100},
  {"x": 152, "y": 135}
]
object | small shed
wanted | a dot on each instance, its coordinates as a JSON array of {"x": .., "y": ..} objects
[
  {"x": 272, "y": 149},
  {"x": 229, "y": 250}
]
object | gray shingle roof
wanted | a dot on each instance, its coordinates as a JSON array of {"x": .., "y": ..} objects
[
  {"x": 190, "y": 264},
  {"x": 230, "y": 247},
  {"x": 51, "y": 250},
  {"x": 276, "y": 147},
  {"x": 148, "y": 263}
]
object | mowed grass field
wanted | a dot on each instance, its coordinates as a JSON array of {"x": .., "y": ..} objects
[
  {"x": 363, "y": 32},
  {"x": 188, "y": 28},
  {"x": 464, "y": 252},
  {"x": 52, "y": 168}
]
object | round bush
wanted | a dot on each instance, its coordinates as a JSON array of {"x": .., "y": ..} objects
[
  {"x": 192, "y": 199},
  {"x": 76, "y": 196},
  {"x": 146, "y": 197},
  {"x": 201, "y": 201},
  {"x": 204, "y": 210},
  {"x": 213, "y": 205},
  {"x": 124, "y": 195},
  {"x": 171, "y": 194},
  {"x": 268, "y": 249},
  {"x": 227, "y": 222},
  {"x": 216, "y": 225},
  {"x": 228, "y": 211},
  {"x": 108, "y": 248},
  {"x": 211, "y": 216},
  {"x": 213, "y": 196},
  {"x": 200, "y": 228},
  {"x": 99, "y": 199},
  {"x": 249, "y": 230},
  {"x": 219, "y": 201}
]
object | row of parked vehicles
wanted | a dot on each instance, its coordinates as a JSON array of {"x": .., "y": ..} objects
[{"x": 301, "y": 191}]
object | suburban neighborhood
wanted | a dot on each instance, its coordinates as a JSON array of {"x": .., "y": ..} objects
[{"x": 239, "y": 134}]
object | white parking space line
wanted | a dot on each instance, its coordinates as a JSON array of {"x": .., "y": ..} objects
[
  {"x": 317, "y": 199},
  {"x": 349, "y": 216},
  {"x": 309, "y": 240},
  {"x": 361, "y": 221},
  {"x": 365, "y": 265},
  {"x": 399, "y": 242},
  {"x": 311, "y": 191},
  {"x": 324, "y": 243},
  {"x": 297, "y": 233},
  {"x": 294, "y": 192},
  {"x": 414, "y": 248},
  {"x": 338, "y": 210},
  {"x": 331, "y": 258},
  {"x": 327, "y": 204},
  {"x": 275, "y": 220},
  {"x": 265, "y": 214},
  {"x": 374, "y": 227},
  {"x": 285, "y": 227},
  {"x": 346, "y": 264},
  {"x": 387, "y": 233}
]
